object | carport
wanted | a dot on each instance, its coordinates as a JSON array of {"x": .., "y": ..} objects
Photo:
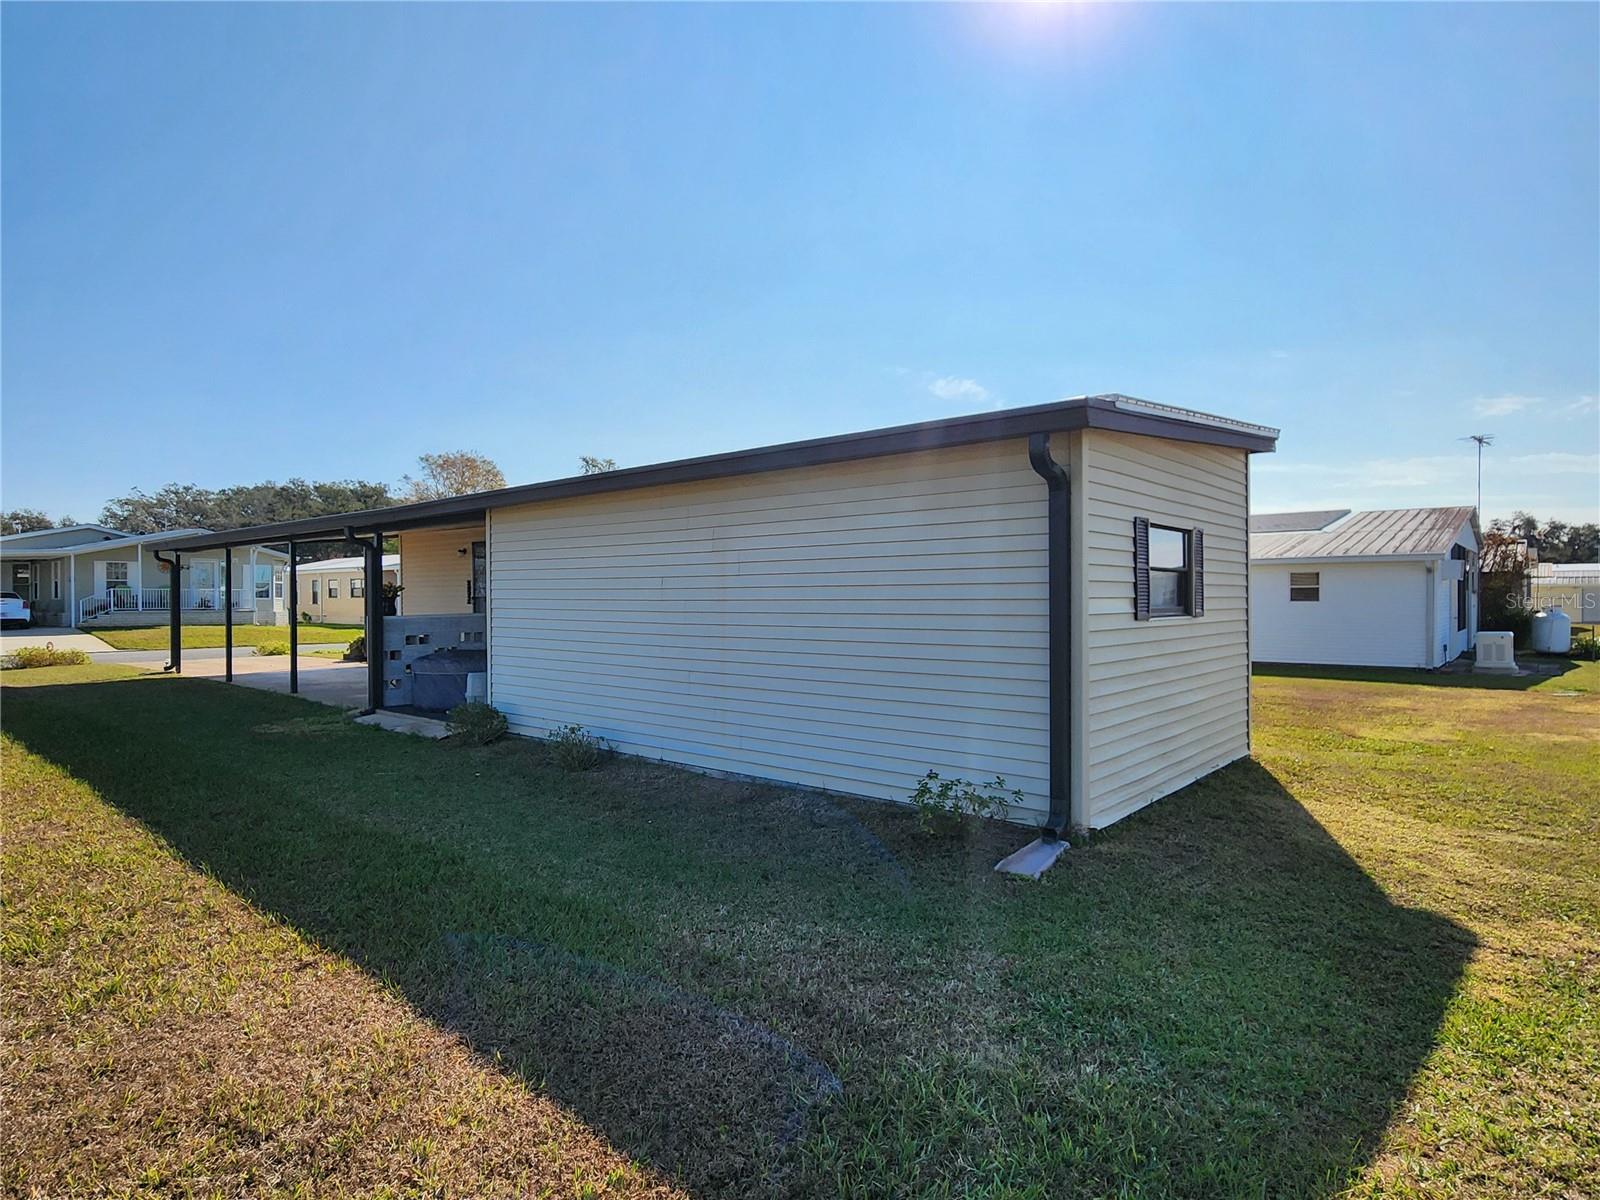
[{"x": 389, "y": 652}]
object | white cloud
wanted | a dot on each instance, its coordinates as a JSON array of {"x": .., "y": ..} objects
[
  {"x": 948, "y": 387},
  {"x": 1559, "y": 462},
  {"x": 1581, "y": 407},
  {"x": 1504, "y": 406}
]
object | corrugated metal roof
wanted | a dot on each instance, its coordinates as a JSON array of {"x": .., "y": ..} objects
[
  {"x": 1384, "y": 533},
  {"x": 1296, "y": 522}
]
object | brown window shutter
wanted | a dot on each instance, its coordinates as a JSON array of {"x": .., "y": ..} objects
[
  {"x": 1141, "y": 569},
  {"x": 1197, "y": 576}
]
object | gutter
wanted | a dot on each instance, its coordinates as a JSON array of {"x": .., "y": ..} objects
[{"x": 1059, "y": 571}]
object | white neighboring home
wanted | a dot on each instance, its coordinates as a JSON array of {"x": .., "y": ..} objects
[
  {"x": 1386, "y": 588},
  {"x": 1574, "y": 588},
  {"x": 94, "y": 575},
  {"x": 333, "y": 590}
]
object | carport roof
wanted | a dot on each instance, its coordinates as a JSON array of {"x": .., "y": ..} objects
[{"x": 1116, "y": 413}]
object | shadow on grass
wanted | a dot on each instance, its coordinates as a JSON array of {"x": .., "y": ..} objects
[
  {"x": 1212, "y": 998},
  {"x": 1540, "y": 668}
]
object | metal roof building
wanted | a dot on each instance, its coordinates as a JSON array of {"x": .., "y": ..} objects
[{"x": 1386, "y": 587}]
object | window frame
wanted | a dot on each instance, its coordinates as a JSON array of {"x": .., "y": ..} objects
[
  {"x": 1315, "y": 588},
  {"x": 358, "y": 588},
  {"x": 333, "y": 587},
  {"x": 1184, "y": 574}
]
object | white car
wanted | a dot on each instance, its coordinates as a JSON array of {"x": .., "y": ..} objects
[{"x": 14, "y": 611}]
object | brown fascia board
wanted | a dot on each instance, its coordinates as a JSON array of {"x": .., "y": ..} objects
[{"x": 1111, "y": 413}]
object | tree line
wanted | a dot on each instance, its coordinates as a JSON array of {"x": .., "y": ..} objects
[
  {"x": 185, "y": 506},
  {"x": 1555, "y": 541}
]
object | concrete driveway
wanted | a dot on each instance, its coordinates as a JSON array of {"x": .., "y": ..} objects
[
  {"x": 325, "y": 680},
  {"x": 62, "y": 639}
]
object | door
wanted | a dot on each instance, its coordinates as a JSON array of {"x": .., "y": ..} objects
[
  {"x": 478, "y": 590},
  {"x": 203, "y": 585}
]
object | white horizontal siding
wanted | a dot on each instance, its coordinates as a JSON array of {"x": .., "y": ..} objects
[
  {"x": 1367, "y": 614},
  {"x": 849, "y": 626},
  {"x": 1164, "y": 701}
]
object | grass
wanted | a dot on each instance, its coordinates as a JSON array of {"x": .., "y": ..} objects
[
  {"x": 1365, "y": 965},
  {"x": 1546, "y": 673},
  {"x": 197, "y": 637}
]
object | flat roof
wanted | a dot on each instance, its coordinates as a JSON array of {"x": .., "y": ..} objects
[{"x": 1114, "y": 413}]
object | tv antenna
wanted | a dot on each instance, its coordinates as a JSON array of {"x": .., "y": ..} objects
[{"x": 1483, "y": 439}]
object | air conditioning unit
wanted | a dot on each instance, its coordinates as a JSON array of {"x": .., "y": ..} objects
[{"x": 1495, "y": 652}]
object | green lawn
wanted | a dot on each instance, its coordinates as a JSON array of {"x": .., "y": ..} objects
[
  {"x": 1364, "y": 965},
  {"x": 201, "y": 636}
]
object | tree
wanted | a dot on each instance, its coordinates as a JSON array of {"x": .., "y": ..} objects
[
  {"x": 596, "y": 466},
  {"x": 451, "y": 473},
  {"x": 176, "y": 506},
  {"x": 26, "y": 520},
  {"x": 1555, "y": 541},
  {"x": 183, "y": 506}
]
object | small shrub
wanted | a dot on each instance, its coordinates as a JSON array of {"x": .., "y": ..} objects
[
  {"x": 305, "y": 618},
  {"x": 356, "y": 651},
  {"x": 266, "y": 649},
  {"x": 43, "y": 656},
  {"x": 475, "y": 724},
  {"x": 941, "y": 802},
  {"x": 576, "y": 749},
  {"x": 1586, "y": 645}
]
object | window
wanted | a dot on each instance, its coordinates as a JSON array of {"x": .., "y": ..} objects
[
  {"x": 1463, "y": 585},
  {"x": 333, "y": 588},
  {"x": 263, "y": 582},
  {"x": 116, "y": 574},
  {"x": 316, "y": 590},
  {"x": 1168, "y": 564},
  {"x": 1305, "y": 585},
  {"x": 357, "y": 587},
  {"x": 277, "y": 585}
]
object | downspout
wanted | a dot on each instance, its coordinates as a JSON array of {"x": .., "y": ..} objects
[
  {"x": 174, "y": 610},
  {"x": 1059, "y": 574}
]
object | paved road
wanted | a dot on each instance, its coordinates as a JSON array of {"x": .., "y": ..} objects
[
  {"x": 196, "y": 653},
  {"x": 61, "y": 639}
]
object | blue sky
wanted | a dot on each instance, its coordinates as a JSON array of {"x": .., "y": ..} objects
[{"x": 248, "y": 242}]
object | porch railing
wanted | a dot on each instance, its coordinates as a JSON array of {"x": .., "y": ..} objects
[{"x": 125, "y": 599}]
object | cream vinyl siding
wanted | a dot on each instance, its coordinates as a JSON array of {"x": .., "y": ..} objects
[
  {"x": 1167, "y": 700},
  {"x": 434, "y": 572},
  {"x": 846, "y": 627}
]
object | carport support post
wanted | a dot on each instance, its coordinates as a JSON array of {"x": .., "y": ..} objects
[
  {"x": 227, "y": 613},
  {"x": 294, "y": 625},
  {"x": 175, "y": 617},
  {"x": 374, "y": 631}
]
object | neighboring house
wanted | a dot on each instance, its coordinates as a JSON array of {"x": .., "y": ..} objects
[
  {"x": 1389, "y": 588},
  {"x": 334, "y": 589},
  {"x": 96, "y": 575},
  {"x": 1574, "y": 588},
  {"x": 1057, "y": 595}
]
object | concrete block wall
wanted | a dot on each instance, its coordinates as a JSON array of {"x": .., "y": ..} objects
[{"x": 406, "y": 639}]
